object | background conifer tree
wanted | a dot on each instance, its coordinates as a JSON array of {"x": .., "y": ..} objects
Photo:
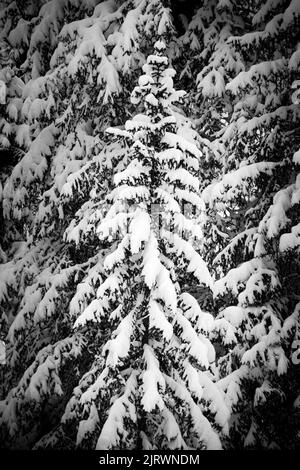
[{"x": 254, "y": 198}]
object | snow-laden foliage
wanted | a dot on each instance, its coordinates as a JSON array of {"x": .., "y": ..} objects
[
  {"x": 253, "y": 206},
  {"x": 60, "y": 276},
  {"x": 55, "y": 113},
  {"x": 115, "y": 334},
  {"x": 59, "y": 171}
]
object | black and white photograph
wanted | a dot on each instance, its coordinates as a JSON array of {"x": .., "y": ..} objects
[{"x": 149, "y": 228}]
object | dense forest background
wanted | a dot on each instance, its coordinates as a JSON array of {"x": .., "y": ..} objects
[{"x": 129, "y": 340}]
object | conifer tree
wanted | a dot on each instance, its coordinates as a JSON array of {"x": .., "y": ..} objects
[
  {"x": 151, "y": 385},
  {"x": 257, "y": 192},
  {"x": 55, "y": 274}
]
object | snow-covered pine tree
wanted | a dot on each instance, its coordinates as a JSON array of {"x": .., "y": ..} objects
[
  {"x": 47, "y": 280},
  {"x": 257, "y": 293},
  {"x": 151, "y": 385}
]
